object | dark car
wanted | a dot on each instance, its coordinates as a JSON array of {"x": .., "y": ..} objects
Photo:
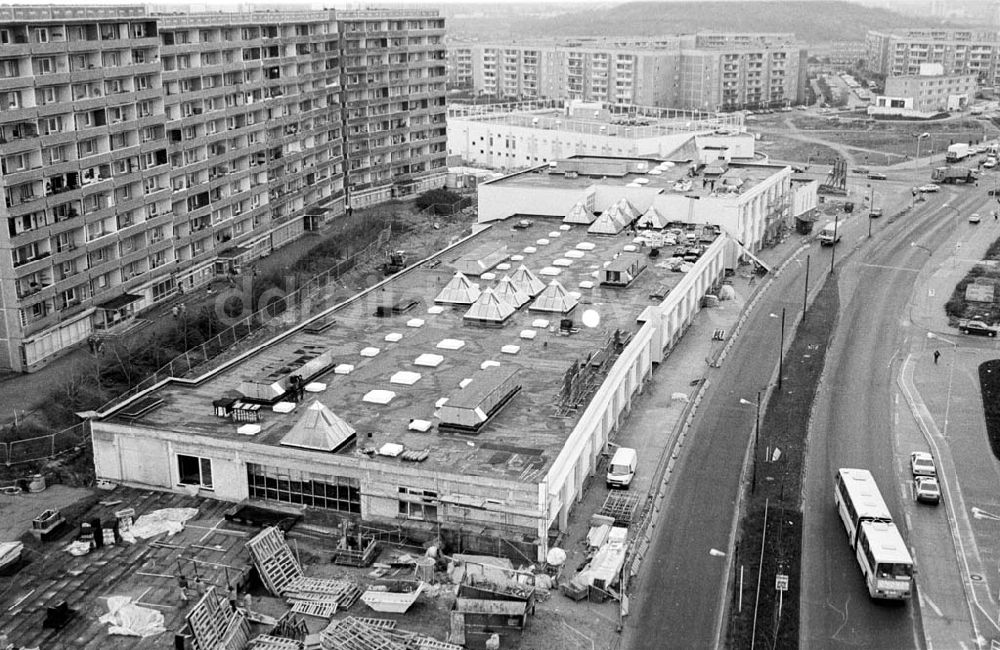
[
  {"x": 976, "y": 327},
  {"x": 876, "y": 176}
]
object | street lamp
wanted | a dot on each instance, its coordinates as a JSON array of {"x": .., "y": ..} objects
[
  {"x": 756, "y": 438},
  {"x": 871, "y": 208},
  {"x": 914, "y": 244},
  {"x": 916, "y": 160}
]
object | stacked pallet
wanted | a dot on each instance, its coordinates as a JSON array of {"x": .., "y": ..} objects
[
  {"x": 620, "y": 507},
  {"x": 354, "y": 633}
]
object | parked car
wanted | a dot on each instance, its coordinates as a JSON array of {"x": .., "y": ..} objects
[
  {"x": 990, "y": 163},
  {"x": 926, "y": 489},
  {"x": 876, "y": 176},
  {"x": 875, "y": 213},
  {"x": 922, "y": 464},
  {"x": 971, "y": 326},
  {"x": 975, "y": 218},
  {"x": 930, "y": 187},
  {"x": 861, "y": 170}
]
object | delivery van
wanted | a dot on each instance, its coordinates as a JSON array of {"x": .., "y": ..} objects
[
  {"x": 830, "y": 234},
  {"x": 622, "y": 467}
]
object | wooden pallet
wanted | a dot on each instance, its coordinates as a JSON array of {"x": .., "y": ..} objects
[
  {"x": 274, "y": 560},
  {"x": 267, "y": 642},
  {"x": 354, "y": 634},
  {"x": 378, "y": 623},
  {"x": 314, "y": 608},
  {"x": 620, "y": 507},
  {"x": 427, "y": 643},
  {"x": 317, "y": 585}
]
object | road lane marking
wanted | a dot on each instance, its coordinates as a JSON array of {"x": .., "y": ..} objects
[{"x": 925, "y": 599}]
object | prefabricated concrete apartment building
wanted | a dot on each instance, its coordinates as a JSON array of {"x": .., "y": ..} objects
[
  {"x": 143, "y": 154},
  {"x": 470, "y": 396}
]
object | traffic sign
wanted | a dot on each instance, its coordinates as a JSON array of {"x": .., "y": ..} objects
[{"x": 781, "y": 582}]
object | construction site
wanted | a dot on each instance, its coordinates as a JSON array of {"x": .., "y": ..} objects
[{"x": 400, "y": 471}]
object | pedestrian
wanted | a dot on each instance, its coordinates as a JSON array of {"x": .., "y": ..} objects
[
  {"x": 233, "y": 597},
  {"x": 175, "y": 311},
  {"x": 182, "y": 584},
  {"x": 937, "y": 355}
]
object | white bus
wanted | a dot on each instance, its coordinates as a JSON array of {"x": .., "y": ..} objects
[
  {"x": 885, "y": 561},
  {"x": 858, "y": 499}
]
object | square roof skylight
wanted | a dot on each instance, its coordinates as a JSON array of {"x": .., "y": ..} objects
[
  {"x": 369, "y": 352},
  {"x": 428, "y": 360},
  {"x": 378, "y": 396},
  {"x": 405, "y": 377}
]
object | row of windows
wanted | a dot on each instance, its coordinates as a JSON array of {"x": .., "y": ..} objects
[{"x": 304, "y": 488}]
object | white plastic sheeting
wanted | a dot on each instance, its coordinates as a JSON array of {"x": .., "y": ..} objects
[
  {"x": 129, "y": 619},
  {"x": 167, "y": 520}
]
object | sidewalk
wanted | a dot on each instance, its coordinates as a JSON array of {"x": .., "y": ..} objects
[
  {"x": 655, "y": 420},
  {"x": 944, "y": 415}
]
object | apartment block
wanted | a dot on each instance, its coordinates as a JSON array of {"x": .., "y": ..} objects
[
  {"x": 706, "y": 71},
  {"x": 142, "y": 155},
  {"x": 958, "y": 51},
  {"x": 394, "y": 81}
]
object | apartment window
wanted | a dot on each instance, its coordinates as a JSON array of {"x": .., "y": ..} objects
[
  {"x": 111, "y": 59},
  {"x": 338, "y": 493},
  {"x": 144, "y": 109},
  {"x": 113, "y": 86},
  {"x": 45, "y": 65},
  {"x": 149, "y": 185},
  {"x": 87, "y": 148},
  {"x": 163, "y": 289},
  {"x": 141, "y": 83},
  {"x": 9, "y": 68},
  {"x": 116, "y": 114},
  {"x": 40, "y": 35},
  {"x": 192, "y": 470},
  {"x": 10, "y": 100},
  {"x": 418, "y": 504}
]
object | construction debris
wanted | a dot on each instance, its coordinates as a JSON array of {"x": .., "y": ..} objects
[
  {"x": 393, "y": 597},
  {"x": 217, "y": 626},
  {"x": 129, "y": 619},
  {"x": 621, "y": 507},
  {"x": 166, "y": 520},
  {"x": 274, "y": 560},
  {"x": 368, "y": 634}
]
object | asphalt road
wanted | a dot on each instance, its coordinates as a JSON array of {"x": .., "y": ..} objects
[
  {"x": 680, "y": 591},
  {"x": 852, "y": 425}
]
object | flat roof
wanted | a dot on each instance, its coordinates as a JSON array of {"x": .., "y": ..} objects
[
  {"x": 669, "y": 180},
  {"x": 522, "y": 440}
]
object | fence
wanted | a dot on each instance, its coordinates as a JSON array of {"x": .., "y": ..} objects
[
  {"x": 304, "y": 298},
  {"x": 44, "y": 447}
]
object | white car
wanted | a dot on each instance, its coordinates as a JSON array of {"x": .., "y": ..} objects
[
  {"x": 926, "y": 489},
  {"x": 975, "y": 218},
  {"x": 990, "y": 163},
  {"x": 922, "y": 464},
  {"x": 930, "y": 187}
]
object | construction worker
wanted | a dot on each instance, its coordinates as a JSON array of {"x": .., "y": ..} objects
[{"x": 182, "y": 585}]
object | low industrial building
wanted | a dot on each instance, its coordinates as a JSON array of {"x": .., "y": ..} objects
[
  {"x": 478, "y": 430},
  {"x": 506, "y": 137}
]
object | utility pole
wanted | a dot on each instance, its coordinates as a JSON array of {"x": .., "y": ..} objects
[
  {"x": 805, "y": 293},
  {"x": 833, "y": 247},
  {"x": 781, "y": 348}
]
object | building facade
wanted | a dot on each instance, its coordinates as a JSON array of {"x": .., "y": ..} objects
[
  {"x": 707, "y": 71},
  {"x": 142, "y": 155},
  {"x": 958, "y": 51},
  {"x": 932, "y": 91}
]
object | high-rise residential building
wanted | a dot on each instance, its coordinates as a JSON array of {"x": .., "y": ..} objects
[
  {"x": 959, "y": 52},
  {"x": 706, "y": 71},
  {"x": 394, "y": 77},
  {"x": 144, "y": 154}
]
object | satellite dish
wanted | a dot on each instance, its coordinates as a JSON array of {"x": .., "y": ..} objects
[{"x": 591, "y": 318}]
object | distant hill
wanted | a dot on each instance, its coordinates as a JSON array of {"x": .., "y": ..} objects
[{"x": 820, "y": 21}]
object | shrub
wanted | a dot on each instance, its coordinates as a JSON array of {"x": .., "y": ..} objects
[{"x": 438, "y": 199}]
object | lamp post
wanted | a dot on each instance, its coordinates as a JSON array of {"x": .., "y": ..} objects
[
  {"x": 871, "y": 208},
  {"x": 756, "y": 438},
  {"x": 916, "y": 160}
]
